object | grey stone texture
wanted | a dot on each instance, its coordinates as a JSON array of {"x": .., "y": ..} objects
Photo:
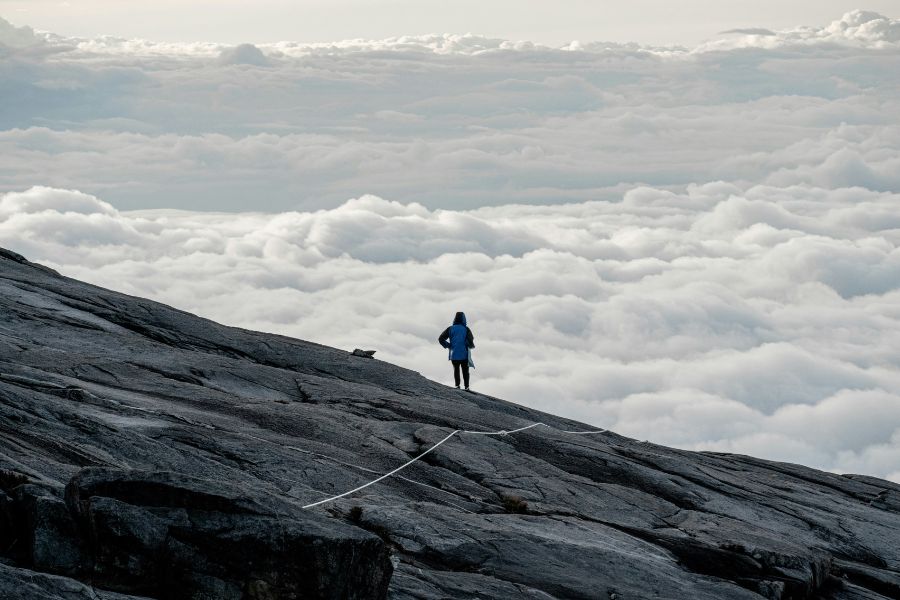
[{"x": 148, "y": 452}]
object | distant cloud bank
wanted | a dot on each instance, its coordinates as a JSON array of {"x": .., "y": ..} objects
[
  {"x": 696, "y": 246},
  {"x": 859, "y": 28},
  {"x": 447, "y": 121}
]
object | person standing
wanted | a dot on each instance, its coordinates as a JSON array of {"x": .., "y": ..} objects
[{"x": 458, "y": 339}]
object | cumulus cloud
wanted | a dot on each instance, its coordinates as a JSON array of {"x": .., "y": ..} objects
[
  {"x": 754, "y": 319},
  {"x": 858, "y": 27},
  {"x": 243, "y": 54},
  {"x": 17, "y": 37}
]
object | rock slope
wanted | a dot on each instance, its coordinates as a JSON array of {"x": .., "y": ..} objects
[{"x": 146, "y": 452}]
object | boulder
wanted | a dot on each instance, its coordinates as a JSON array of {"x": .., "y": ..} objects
[{"x": 174, "y": 536}]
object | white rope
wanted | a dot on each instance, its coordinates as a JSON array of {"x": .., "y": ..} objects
[
  {"x": 400, "y": 477},
  {"x": 386, "y": 475},
  {"x": 502, "y": 431},
  {"x": 454, "y": 432}
]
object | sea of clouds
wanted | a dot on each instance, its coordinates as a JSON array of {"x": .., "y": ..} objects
[
  {"x": 693, "y": 246},
  {"x": 447, "y": 121}
]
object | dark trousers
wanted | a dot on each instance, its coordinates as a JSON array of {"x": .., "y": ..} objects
[{"x": 465, "y": 371}]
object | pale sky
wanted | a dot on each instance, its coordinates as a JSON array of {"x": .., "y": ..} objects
[{"x": 549, "y": 22}]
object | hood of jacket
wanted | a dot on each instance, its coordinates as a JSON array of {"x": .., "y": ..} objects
[{"x": 459, "y": 319}]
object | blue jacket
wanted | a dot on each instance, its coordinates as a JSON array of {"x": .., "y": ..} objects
[{"x": 457, "y": 338}]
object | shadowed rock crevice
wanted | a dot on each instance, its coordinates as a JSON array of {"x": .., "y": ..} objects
[{"x": 146, "y": 452}]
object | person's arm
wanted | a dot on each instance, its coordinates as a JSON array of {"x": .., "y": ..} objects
[
  {"x": 442, "y": 340},
  {"x": 470, "y": 339}
]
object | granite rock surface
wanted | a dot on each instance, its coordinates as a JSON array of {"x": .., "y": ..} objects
[{"x": 149, "y": 453}]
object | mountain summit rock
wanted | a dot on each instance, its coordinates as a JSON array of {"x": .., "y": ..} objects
[{"x": 149, "y": 453}]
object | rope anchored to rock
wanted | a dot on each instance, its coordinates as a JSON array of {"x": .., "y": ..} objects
[{"x": 501, "y": 432}]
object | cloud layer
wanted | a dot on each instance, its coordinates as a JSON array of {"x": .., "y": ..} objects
[
  {"x": 448, "y": 121},
  {"x": 761, "y": 320}
]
